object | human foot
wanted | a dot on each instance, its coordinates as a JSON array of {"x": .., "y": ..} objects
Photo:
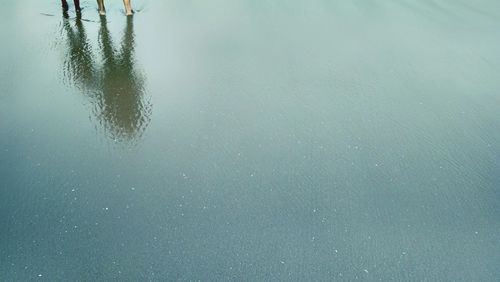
[
  {"x": 128, "y": 10},
  {"x": 128, "y": 7}
]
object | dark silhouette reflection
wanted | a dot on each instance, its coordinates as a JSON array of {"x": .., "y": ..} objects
[
  {"x": 115, "y": 86},
  {"x": 79, "y": 65}
]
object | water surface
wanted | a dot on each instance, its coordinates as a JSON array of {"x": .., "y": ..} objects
[{"x": 250, "y": 140}]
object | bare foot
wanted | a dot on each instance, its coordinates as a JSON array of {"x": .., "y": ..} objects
[
  {"x": 128, "y": 10},
  {"x": 128, "y": 7},
  {"x": 102, "y": 12}
]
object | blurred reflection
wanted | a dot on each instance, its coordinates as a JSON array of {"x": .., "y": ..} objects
[
  {"x": 79, "y": 65},
  {"x": 115, "y": 87}
]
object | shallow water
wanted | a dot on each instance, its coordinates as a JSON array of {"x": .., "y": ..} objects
[{"x": 250, "y": 140}]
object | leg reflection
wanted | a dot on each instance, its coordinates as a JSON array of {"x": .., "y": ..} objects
[
  {"x": 115, "y": 87},
  {"x": 124, "y": 112},
  {"x": 79, "y": 66}
]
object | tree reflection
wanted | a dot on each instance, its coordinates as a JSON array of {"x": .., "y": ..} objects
[{"x": 115, "y": 87}]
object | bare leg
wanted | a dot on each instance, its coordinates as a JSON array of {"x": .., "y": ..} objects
[
  {"x": 102, "y": 10},
  {"x": 128, "y": 7}
]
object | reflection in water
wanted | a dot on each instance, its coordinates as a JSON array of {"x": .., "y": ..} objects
[
  {"x": 115, "y": 87},
  {"x": 79, "y": 65}
]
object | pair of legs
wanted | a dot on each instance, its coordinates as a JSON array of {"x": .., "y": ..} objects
[
  {"x": 102, "y": 10},
  {"x": 65, "y": 5}
]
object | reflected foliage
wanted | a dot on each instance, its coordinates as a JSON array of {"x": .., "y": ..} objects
[{"x": 114, "y": 85}]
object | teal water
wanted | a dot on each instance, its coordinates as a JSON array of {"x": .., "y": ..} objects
[{"x": 250, "y": 141}]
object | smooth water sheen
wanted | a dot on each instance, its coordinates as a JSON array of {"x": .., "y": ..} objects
[{"x": 250, "y": 141}]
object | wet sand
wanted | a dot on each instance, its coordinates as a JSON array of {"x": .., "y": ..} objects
[{"x": 250, "y": 140}]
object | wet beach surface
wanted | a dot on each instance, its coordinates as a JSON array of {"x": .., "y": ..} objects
[{"x": 250, "y": 140}]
